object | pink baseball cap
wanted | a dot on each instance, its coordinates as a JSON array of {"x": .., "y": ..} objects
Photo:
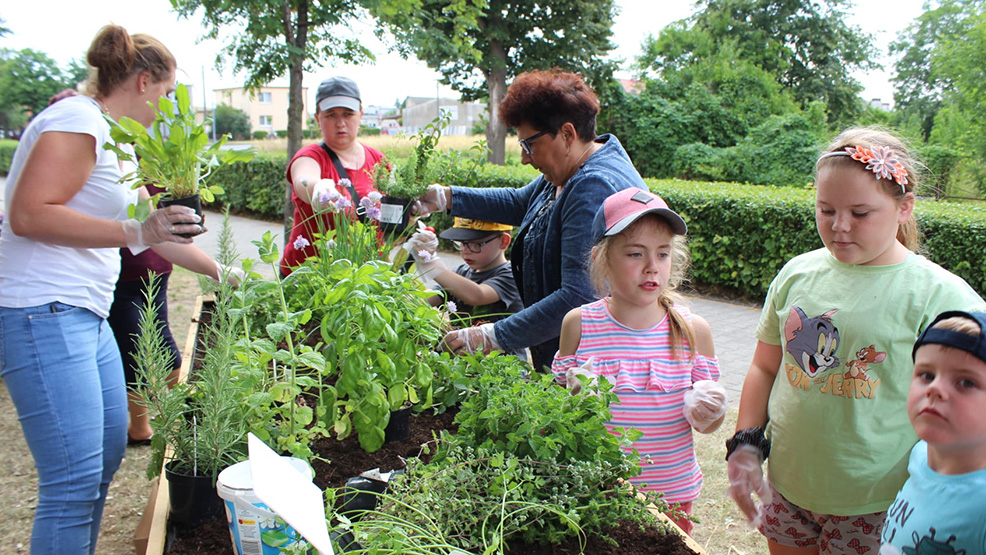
[{"x": 622, "y": 208}]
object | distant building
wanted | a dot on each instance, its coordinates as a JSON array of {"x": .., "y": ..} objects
[
  {"x": 420, "y": 111},
  {"x": 880, "y": 105},
  {"x": 267, "y": 107},
  {"x": 384, "y": 119},
  {"x": 632, "y": 86}
]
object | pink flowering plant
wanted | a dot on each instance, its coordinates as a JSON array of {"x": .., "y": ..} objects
[{"x": 354, "y": 235}]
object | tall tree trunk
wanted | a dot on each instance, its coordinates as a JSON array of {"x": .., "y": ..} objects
[
  {"x": 496, "y": 83},
  {"x": 298, "y": 36}
]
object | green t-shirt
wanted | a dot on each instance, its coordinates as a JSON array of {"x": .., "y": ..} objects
[{"x": 839, "y": 431}]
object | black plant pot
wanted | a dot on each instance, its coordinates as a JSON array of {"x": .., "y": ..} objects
[
  {"x": 399, "y": 427},
  {"x": 194, "y": 500},
  {"x": 194, "y": 202},
  {"x": 395, "y": 214},
  {"x": 360, "y": 494}
]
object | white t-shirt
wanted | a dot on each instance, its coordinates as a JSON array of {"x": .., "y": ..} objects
[{"x": 34, "y": 273}]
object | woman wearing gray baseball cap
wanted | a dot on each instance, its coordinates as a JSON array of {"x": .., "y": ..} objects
[{"x": 338, "y": 157}]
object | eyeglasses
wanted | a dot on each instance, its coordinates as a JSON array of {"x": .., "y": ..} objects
[
  {"x": 473, "y": 246},
  {"x": 525, "y": 144}
]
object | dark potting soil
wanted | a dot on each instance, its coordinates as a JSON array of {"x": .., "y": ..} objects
[{"x": 344, "y": 459}]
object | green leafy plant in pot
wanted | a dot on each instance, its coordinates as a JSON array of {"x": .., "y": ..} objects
[
  {"x": 402, "y": 182},
  {"x": 198, "y": 424},
  {"x": 530, "y": 463},
  {"x": 174, "y": 154}
]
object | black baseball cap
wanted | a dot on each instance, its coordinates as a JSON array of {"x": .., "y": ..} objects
[{"x": 337, "y": 92}]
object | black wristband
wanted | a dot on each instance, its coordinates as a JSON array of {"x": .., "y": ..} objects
[{"x": 749, "y": 436}]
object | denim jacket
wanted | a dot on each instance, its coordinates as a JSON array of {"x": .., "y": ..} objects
[{"x": 550, "y": 252}]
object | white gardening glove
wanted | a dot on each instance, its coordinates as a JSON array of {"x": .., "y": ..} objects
[
  {"x": 705, "y": 403},
  {"x": 423, "y": 240},
  {"x": 160, "y": 227},
  {"x": 572, "y": 381},
  {"x": 434, "y": 200},
  {"x": 233, "y": 275},
  {"x": 324, "y": 194},
  {"x": 471, "y": 340},
  {"x": 745, "y": 468},
  {"x": 422, "y": 246}
]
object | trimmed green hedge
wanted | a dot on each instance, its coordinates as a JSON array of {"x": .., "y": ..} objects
[
  {"x": 741, "y": 235},
  {"x": 255, "y": 188},
  {"x": 7, "y": 148}
]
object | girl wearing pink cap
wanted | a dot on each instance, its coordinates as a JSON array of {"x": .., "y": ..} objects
[{"x": 658, "y": 356}]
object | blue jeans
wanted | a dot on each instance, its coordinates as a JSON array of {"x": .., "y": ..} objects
[{"x": 63, "y": 370}]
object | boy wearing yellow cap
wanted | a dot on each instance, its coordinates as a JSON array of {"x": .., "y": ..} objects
[{"x": 483, "y": 286}]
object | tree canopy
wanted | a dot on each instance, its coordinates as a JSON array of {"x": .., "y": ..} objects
[
  {"x": 805, "y": 45},
  {"x": 231, "y": 121},
  {"x": 28, "y": 78},
  {"x": 274, "y": 37},
  {"x": 478, "y": 45},
  {"x": 941, "y": 87},
  {"x": 919, "y": 82}
]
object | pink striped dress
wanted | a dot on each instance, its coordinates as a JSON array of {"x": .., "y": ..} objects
[{"x": 651, "y": 386}]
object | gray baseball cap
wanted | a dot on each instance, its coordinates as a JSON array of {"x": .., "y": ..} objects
[{"x": 337, "y": 92}]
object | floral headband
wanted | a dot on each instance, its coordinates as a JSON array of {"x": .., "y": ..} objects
[{"x": 881, "y": 160}]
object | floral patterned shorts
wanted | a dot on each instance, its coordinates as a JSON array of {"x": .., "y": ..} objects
[{"x": 788, "y": 524}]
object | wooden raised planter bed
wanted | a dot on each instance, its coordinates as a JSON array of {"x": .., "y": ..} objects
[{"x": 151, "y": 535}]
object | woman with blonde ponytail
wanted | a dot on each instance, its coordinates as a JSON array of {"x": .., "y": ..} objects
[{"x": 59, "y": 261}]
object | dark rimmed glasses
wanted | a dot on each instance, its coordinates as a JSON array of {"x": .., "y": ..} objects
[
  {"x": 525, "y": 144},
  {"x": 473, "y": 246}
]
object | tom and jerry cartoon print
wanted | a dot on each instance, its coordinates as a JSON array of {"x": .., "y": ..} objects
[{"x": 812, "y": 341}]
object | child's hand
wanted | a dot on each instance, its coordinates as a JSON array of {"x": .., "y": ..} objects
[
  {"x": 422, "y": 241},
  {"x": 572, "y": 381},
  {"x": 705, "y": 404},
  {"x": 477, "y": 339},
  {"x": 422, "y": 246},
  {"x": 745, "y": 466}
]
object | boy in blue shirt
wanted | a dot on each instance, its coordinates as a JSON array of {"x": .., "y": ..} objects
[{"x": 941, "y": 508}]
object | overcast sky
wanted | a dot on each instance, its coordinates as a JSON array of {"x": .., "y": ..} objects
[{"x": 63, "y": 29}]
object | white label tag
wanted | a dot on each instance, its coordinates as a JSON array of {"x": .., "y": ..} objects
[{"x": 391, "y": 213}]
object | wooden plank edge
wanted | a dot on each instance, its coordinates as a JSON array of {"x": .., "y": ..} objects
[{"x": 689, "y": 541}]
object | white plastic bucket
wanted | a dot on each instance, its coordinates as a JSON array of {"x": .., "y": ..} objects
[{"x": 254, "y": 529}]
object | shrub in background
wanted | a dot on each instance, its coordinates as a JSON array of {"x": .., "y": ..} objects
[
  {"x": 7, "y": 148},
  {"x": 255, "y": 188},
  {"x": 740, "y": 235}
]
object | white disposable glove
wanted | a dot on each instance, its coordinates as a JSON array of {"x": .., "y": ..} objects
[
  {"x": 425, "y": 241},
  {"x": 233, "y": 275},
  {"x": 745, "y": 468},
  {"x": 705, "y": 403},
  {"x": 434, "y": 200},
  {"x": 160, "y": 227},
  {"x": 471, "y": 340},
  {"x": 422, "y": 246},
  {"x": 324, "y": 194},
  {"x": 572, "y": 381}
]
